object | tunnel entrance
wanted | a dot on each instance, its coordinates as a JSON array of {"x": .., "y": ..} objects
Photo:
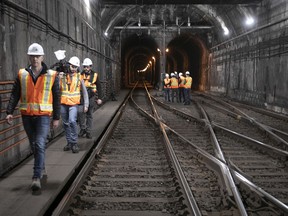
[
  {"x": 188, "y": 53},
  {"x": 141, "y": 61},
  {"x": 138, "y": 58}
]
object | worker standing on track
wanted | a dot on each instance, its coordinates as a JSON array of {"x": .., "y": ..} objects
[
  {"x": 181, "y": 87},
  {"x": 187, "y": 88},
  {"x": 167, "y": 88},
  {"x": 92, "y": 83},
  {"x": 174, "y": 88},
  {"x": 70, "y": 86},
  {"x": 37, "y": 88}
]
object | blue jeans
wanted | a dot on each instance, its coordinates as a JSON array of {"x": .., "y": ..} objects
[
  {"x": 69, "y": 119},
  {"x": 167, "y": 94},
  {"x": 37, "y": 129},
  {"x": 175, "y": 93},
  {"x": 187, "y": 95}
]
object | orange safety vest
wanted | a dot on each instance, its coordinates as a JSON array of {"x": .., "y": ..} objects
[
  {"x": 174, "y": 83},
  {"x": 90, "y": 80},
  {"x": 70, "y": 89},
  {"x": 188, "y": 82},
  {"x": 182, "y": 82},
  {"x": 36, "y": 98},
  {"x": 166, "y": 83}
]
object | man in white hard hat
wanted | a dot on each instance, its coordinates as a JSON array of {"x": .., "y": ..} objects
[
  {"x": 174, "y": 87},
  {"x": 181, "y": 87},
  {"x": 92, "y": 83},
  {"x": 37, "y": 89},
  {"x": 167, "y": 87},
  {"x": 71, "y": 87},
  {"x": 187, "y": 88}
]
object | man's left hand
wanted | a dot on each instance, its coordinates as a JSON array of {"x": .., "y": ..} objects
[
  {"x": 55, "y": 123},
  {"x": 99, "y": 101}
]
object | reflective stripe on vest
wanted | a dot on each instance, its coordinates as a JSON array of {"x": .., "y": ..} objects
[
  {"x": 70, "y": 89},
  {"x": 36, "y": 99}
]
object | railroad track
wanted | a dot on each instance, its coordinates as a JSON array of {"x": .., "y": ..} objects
[
  {"x": 264, "y": 126},
  {"x": 264, "y": 165},
  {"x": 140, "y": 171},
  {"x": 131, "y": 175}
]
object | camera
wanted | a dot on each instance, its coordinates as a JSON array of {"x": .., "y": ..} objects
[{"x": 62, "y": 65}]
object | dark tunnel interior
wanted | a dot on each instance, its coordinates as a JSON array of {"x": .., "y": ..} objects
[{"x": 142, "y": 59}]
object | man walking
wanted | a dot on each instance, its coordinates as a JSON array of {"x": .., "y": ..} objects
[
  {"x": 71, "y": 86},
  {"x": 92, "y": 84},
  {"x": 37, "y": 88}
]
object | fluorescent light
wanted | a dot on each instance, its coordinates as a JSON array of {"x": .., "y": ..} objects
[{"x": 249, "y": 21}]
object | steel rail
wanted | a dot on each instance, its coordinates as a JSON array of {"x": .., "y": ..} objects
[
  {"x": 280, "y": 152},
  {"x": 226, "y": 172},
  {"x": 243, "y": 116},
  {"x": 179, "y": 172},
  {"x": 66, "y": 199},
  {"x": 240, "y": 177}
]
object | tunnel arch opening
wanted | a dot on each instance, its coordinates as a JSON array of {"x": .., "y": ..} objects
[
  {"x": 188, "y": 52},
  {"x": 137, "y": 52}
]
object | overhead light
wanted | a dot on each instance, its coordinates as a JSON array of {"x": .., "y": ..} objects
[
  {"x": 106, "y": 33},
  {"x": 226, "y": 31},
  {"x": 139, "y": 22},
  {"x": 250, "y": 21}
]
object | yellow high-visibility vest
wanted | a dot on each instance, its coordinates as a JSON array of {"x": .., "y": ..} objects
[
  {"x": 70, "y": 87},
  {"x": 36, "y": 99},
  {"x": 90, "y": 82},
  {"x": 174, "y": 83},
  {"x": 188, "y": 82}
]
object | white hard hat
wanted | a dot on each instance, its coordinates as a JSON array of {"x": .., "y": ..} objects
[
  {"x": 87, "y": 62},
  {"x": 180, "y": 74},
  {"x": 187, "y": 73},
  {"x": 167, "y": 75},
  {"x": 35, "y": 49},
  {"x": 172, "y": 74},
  {"x": 75, "y": 61}
]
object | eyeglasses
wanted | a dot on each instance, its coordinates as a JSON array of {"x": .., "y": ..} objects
[
  {"x": 73, "y": 66},
  {"x": 86, "y": 66}
]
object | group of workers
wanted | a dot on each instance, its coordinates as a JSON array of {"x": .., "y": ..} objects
[
  {"x": 178, "y": 86},
  {"x": 44, "y": 94}
]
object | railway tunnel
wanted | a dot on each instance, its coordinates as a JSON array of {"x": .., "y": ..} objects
[
  {"x": 232, "y": 48},
  {"x": 236, "y": 48},
  {"x": 141, "y": 59}
]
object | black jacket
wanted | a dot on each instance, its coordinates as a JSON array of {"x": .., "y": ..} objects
[
  {"x": 98, "y": 85},
  {"x": 16, "y": 93}
]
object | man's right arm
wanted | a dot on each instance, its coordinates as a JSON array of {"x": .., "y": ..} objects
[
  {"x": 56, "y": 98},
  {"x": 14, "y": 97}
]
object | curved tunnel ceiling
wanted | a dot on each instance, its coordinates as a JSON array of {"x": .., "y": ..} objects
[
  {"x": 216, "y": 18},
  {"x": 201, "y": 26}
]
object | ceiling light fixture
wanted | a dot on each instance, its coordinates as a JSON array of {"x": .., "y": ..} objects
[{"x": 250, "y": 21}]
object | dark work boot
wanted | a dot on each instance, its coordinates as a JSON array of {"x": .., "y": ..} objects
[
  {"x": 82, "y": 133},
  {"x": 88, "y": 136},
  {"x": 67, "y": 147},
  {"x": 75, "y": 148}
]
